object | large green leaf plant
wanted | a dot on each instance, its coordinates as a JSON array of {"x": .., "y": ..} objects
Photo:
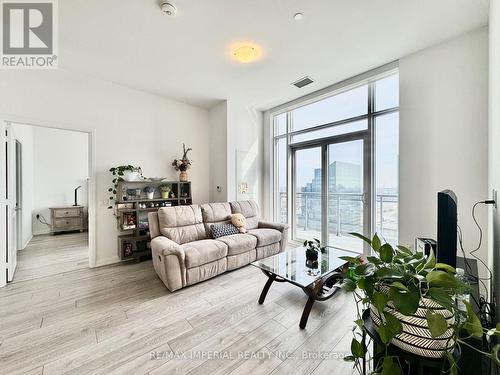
[{"x": 396, "y": 275}]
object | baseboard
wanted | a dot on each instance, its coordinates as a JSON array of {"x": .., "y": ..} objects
[
  {"x": 108, "y": 261},
  {"x": 39, "y": 233},
  {"x": 27, "y": 242}
]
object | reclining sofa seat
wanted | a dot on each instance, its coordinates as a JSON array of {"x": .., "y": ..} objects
[{"x": 184, "y": 252}]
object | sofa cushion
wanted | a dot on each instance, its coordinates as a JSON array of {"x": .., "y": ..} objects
[
  {"x": 182, "y": 224},
  {"x": 215, "y": 213},
  {"x": 201, "y": 252},
  {"x": 249, "y": 209},
  {"x": 221, "y": 230},
  {"x": 239, "y": 243},
  {"x": 265, "y": 236}
]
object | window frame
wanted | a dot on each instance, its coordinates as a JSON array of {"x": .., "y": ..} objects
[{"x": 368, "y": 79}]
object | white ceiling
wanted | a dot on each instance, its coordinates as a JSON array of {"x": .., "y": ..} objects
[{"x": 188, "y": 57}]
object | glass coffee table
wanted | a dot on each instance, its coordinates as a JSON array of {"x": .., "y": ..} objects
[{"x": 319, "y": 280}]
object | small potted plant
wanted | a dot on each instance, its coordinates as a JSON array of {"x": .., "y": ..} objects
[
  {"x": 313, "y": 248},
  {"x": 165, "y": 191},
  {"x": 150, "y": 191},
  {"x": 123, "y": 173},
  {"x": 183, "y": 164},
  {"x": 412, "y": 301}
]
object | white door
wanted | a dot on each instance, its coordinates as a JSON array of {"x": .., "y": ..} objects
[
  {"x": 3, "y": 204},
  {"x": 11, "y": 203}
]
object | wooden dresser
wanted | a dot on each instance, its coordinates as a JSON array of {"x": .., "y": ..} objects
[{"x": 66, "y": 219}]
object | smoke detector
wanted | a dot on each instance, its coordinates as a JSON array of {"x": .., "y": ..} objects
[{"x": 168, "y": 8}]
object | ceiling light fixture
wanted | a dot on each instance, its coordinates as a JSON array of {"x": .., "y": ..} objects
[
  {"x": 298, "y": 16},
  {"x": 246, "y": 53}
]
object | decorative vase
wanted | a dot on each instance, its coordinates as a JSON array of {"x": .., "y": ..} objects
[
  {"x": 311, "y": 255},
  {"x": 165, "y": 194},
  {"x": 416, "y": 337},
  {"x": 150, "y": 195},
  {"x": 131, "y": 176},
  {"x": 183, "y": 176}
]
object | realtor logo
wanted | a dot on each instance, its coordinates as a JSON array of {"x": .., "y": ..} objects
[{"x": 29, "y": 34}]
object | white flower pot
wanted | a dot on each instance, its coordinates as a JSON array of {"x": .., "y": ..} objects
[
  {"x": 130, "y": 176},
  {"x": 150, "y": 195}
]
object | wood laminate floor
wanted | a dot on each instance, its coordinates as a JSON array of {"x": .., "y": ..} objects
[
  {"x": 122, "y": 320},
  {"x": 48, "y": 255}
]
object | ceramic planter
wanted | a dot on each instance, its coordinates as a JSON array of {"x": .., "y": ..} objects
[
  {"x": 416, "y": 337},
  {"x": 130, "y": 176}
]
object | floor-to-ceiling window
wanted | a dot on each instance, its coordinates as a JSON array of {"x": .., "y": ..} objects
[{"x": 336, "y": 163}]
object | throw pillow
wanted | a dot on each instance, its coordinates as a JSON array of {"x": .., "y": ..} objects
[{"x": 221, "y": 230}]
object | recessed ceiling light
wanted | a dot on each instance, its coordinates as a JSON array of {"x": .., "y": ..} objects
[
  {"x": 298, "y": 16},
  {"x": 246, "y": 53}
]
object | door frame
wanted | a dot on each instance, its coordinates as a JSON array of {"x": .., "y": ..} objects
[
  {"x": 92, "y": 192},
  {"x": 368, "y": 165},
  {"x": 18, "y": 152}
]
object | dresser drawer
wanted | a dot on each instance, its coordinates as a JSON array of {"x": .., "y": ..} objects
[
  {"x": 70, "y": 222},
  {"x": 68, "y": 212}
]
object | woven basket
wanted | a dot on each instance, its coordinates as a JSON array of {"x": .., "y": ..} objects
[{"x": 416, "y": 337}]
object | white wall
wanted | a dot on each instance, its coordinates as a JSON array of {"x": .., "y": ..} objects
[
  {"x": 443, "y": 135},
  {"x": 245, "y": 133},
  {"x": 130, "y": 127},
  {"x": 494, "y": 143},
  {"x": 218, "y": 152},
  {"x": 24, "y": 135},
  {"x": 60, "y": 164}
]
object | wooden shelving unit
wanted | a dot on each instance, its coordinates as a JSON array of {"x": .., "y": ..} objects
[{"x": 132, "y": 207}]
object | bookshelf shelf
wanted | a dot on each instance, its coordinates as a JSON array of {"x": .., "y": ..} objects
[{"x": 132, "y": 207}]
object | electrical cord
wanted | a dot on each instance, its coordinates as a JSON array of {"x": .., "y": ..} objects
[{"x": 40, "y": 217}]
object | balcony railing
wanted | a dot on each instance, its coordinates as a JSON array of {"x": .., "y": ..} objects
[{"x": 345, "y": 213}]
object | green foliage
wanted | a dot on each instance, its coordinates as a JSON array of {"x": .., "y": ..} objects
[
  {"x": 117, "y": 173},
  {"x": 393, "y": 278}
]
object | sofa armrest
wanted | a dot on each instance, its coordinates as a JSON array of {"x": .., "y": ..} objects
[
  {"x": 169, "y": 261},
  {"x": 283, "y": 228},
  {"x": 277, "y": 226}
]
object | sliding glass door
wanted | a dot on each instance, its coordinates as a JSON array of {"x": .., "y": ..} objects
[{"x": 331, "y": 191}]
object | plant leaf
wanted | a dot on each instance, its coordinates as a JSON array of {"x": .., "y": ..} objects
[
  {"x": 445, "y": 267},
  {"x": 473, "y": 324},
  {"x": 441, "y": 297},
  {"x": 437, "y": 323},
  {"x": 393, "y": 323},
  {"x": 379, "y": 300},
  {"x": 431, "y": 260},
  {"x": 376, "y": 242},
  {"x": 385, "y": 334},
  {"x": 357, "y": 349},
  {"x": 367, "y": 240},
  {"x": 405, "y": 302},
  {"x": 389, "y": 367},
  {"x": 400, "y": 286},
  {"x": 495, "y": 353},
  {"x": 405, "y": 250},
  {"x": 441, "y": 279},
  {"x": 359, "y": 323},
  {"x": 354, "y": 260},
  {"x": 386, "y": 253},
  {"x": 348, "y": 285}
]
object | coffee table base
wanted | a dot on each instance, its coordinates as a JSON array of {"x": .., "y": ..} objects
[{"x": 320, "y": 290}]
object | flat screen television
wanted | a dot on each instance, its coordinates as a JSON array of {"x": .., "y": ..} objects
[{"x": 447, "y": 228}]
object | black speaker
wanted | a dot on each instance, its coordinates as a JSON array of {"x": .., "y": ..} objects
[{"x": 447, "y": 228}]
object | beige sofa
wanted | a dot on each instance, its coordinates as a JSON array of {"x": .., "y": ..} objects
[{"x": 184, "y": 252}]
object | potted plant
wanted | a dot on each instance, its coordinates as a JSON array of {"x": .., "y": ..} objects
[
  {"x": 165, "y": 191},
  {"x": 123, "y": 173},
  {"x": 150, "y": 191},
  {"x": 183, "y": 164},
  {"x": 412, "y": 302},
  {"x": 313, "y": 248}
]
